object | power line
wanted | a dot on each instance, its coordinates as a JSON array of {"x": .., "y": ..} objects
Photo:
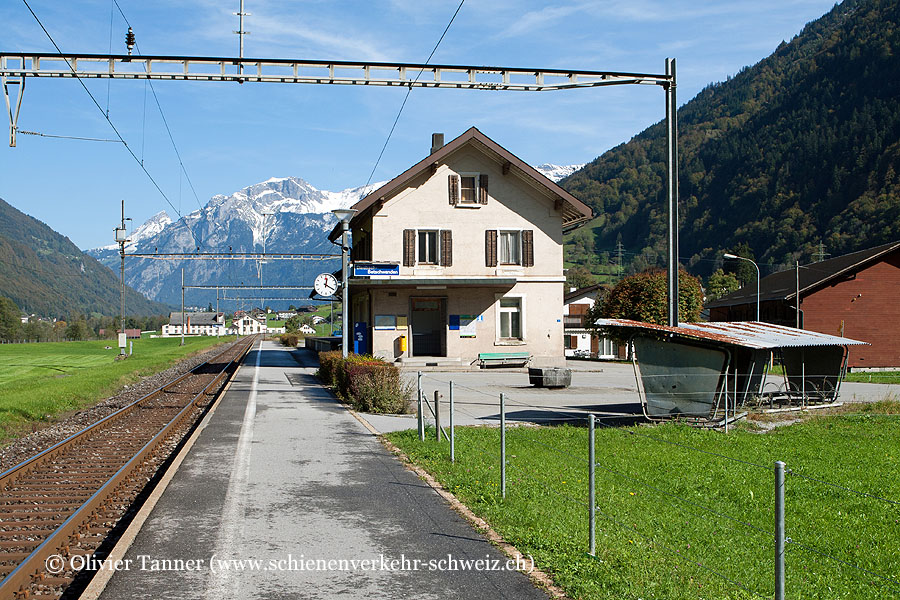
[
  {"x": 106, "y": 116},
  {"x": 409, "y": 91}
]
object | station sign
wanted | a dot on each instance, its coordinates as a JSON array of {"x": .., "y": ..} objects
[{"x": 375, "y": 269}]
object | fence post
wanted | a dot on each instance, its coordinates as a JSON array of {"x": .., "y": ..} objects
[
  {"x": 592, "y": 540},
  {"x": 437, "y": 416},
  {"x": 779, "y": 530},
  {"x": 503, "y": 444},
  {"x": 419, "y": 407},
  {"x": 452, "y": 433}
]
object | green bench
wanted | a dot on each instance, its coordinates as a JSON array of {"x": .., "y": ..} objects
[{"x": 519, "y": 359}]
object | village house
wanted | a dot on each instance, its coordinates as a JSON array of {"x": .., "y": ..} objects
[
  {"x": 458, "y": 260},
  {"x": 578, "y": 338},
  {"x": 196, "y": 323},
  {"x": 854, "y": 295},
  {"x": 248, "y": 325}
]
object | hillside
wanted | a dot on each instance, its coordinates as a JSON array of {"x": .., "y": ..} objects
[
  {"x": 800, "y": 149},
  {"x": 44, "y": 273}
]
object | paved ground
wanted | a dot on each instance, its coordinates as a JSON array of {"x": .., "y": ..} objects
[{"x": 283, "y": 473}]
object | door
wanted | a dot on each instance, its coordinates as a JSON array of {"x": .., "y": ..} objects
[{"x": 428, "y": 326}]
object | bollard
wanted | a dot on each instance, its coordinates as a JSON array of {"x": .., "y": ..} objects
[
  {"x": 592, "y": 539},
  {"x": 503, "y": 445},
  {"x": 779, "y": 530},
  {"x": 437, "y": 417},
  {"x": 419, "y": 407},
  {"x": 452, "y": 433}
]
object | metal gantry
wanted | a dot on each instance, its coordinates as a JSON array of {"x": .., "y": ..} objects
[
  {"x": 231, "y": 256},
  {"x": 15, "y": 67}
]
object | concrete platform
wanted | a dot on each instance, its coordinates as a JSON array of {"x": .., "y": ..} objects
[{"x": 281, "y": 481}]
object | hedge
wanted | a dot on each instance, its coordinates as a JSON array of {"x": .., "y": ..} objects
[{"x": 367, "y": 383}]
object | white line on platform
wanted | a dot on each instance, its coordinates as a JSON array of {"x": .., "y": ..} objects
[{"x": 221, "y": 584}]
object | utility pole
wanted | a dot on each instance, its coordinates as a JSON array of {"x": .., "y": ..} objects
[
  {"x": 122, "y": 239},
  {"x": 820, "y": 255},
  {"x": 241, "y": 33},
  {"x": 183, "y": 319},
  {"x": 797, "y": 297},
  {"x": 619, "y": 249},
  {"x": 672, "y": 193}
]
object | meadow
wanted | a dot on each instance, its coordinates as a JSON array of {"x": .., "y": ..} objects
[
  {"x": 39, "y": 382},
  {"x": 689, "y": 513}
]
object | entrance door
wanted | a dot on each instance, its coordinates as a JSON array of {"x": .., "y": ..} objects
[{"x": 428, "y": 326}]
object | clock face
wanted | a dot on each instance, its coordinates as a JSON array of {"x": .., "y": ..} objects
[{"x": 325, "y": 284}]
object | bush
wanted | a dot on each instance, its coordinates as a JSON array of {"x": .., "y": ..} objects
[
  {"x": 368, "y": 384},
  {"x": 289, "y": 339},
  {"x": 329, "y": 362}
]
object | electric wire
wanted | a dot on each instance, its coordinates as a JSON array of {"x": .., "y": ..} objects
[
  {"x": 69, "y": 137},
  {"x": 409, "y": 91},
  {"x": 106, "y": 116}
]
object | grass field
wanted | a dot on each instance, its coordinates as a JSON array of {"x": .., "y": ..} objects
[
  {"x": 40, "y": 381},
  {"x": 876, "y": 377},
  {"x": 676, "y": 518}
]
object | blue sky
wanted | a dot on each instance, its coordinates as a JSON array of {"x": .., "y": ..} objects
[{"x": 231, "y": 136}]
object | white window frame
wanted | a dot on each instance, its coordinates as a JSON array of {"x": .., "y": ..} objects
[
  {"x": 477, "y": 189},
  {"x": 517, "y": 341},
  {"x": 437, "y": 247},
  {"x": 519, "y": 249}
]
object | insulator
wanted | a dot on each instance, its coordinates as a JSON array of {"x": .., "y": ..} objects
[{"x": 129, "y": 40}]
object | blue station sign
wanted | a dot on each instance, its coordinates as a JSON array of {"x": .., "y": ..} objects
[{"x": 375, "y": 269}]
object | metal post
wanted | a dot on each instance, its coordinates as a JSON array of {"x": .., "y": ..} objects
[
  {"x": 779, "y": 530},
  {"x": 757, "y": 293},
  {"x": 183, "y": 320},
  {"x": 345, "y": 292},
  {"x": 122, "y": 254},
  {"x": 503, "y": 445},
  {"x": 419, "y": 407},
  {"x": 592, "y": 540},
  {"x": 452, "y": 432},
  {"x": 672, "y": 193},
  {"x": 437, "y": 416},
  {"x": 797, "y": 297},
  {"x": 726, "y": 399}
]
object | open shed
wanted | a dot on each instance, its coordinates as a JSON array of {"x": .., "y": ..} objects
[{"x": 700, "y": 369}]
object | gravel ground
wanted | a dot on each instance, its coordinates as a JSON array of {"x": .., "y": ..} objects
[{"x": 23, "y": 448}]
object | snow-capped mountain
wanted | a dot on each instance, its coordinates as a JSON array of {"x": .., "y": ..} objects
[
  {"x": 280, "y": 215},
  {"x": 556, "y": 172}
]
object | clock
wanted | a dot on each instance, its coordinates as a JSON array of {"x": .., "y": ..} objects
[{"x": 325, "y": 284}]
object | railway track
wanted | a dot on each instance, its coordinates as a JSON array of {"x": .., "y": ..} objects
[{"x": 66, "y": 501}]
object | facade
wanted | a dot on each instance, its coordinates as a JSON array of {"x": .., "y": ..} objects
[
  {"x": 853, "y": 296},
  {"x": 248, "y": 325},
  {"x": 578, "y": 339},
  {"x": 461, "y": 255},
  {"x": 197, "y": 323}
]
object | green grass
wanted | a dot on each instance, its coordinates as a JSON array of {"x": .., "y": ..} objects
[
  {"x": 40, "y": 381},
  {"x": 876, "y": 377},
  {"x": 648, "y": 542}
]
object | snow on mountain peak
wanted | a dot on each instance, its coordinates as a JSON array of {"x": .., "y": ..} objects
[{"x": 556, "y": 172}]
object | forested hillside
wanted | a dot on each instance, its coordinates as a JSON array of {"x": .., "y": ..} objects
[
  {"x": 800, "y": 149},
  {"x": 44, "y": 273}
]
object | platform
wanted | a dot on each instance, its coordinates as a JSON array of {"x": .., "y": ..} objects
[{"x": 281, "y": 481}]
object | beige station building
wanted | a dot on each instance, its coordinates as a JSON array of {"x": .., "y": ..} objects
[{"x": 459, "y": 260}]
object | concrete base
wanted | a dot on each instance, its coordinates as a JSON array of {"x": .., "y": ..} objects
[{"x": 550, "y": 377}]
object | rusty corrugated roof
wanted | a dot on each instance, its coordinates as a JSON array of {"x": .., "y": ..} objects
[{"x": 749, "y": 334}]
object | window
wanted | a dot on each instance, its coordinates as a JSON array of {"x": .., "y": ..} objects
[
  {"x": 428, "y": 248},
  {"x": 510, "y": 243},
  {"x": 511, "y": 318},
  {"x": 469, "y": 189}
]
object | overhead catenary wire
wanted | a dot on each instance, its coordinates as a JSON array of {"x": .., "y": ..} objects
[
  {"x": 69, "y": 137},
  {"x": 408, "y": 91},
  {"x": 106, "y": 116}
]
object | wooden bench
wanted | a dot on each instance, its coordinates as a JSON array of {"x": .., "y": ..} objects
[{"x": 519, "y": 359}]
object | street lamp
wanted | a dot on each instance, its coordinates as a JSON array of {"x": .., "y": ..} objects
[
  {"x": 736, "y": 257},
  {"x": 344, "y": 215}
]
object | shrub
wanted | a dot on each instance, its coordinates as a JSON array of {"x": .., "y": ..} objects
[
  {"x": 289, "y": 339},
  {"x": 329, "y": 363},
  {"x": 380, "y": 389},
  {"x": 352, "y": 365}
]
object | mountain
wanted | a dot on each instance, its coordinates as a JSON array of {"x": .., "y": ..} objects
[
  {"x": 44, "y": 273},
  {"x": 800, "y": 149},
  {"x": 280, "y": 215}
]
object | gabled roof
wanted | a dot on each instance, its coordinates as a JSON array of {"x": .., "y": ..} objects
[
  {"x": 196, "y": 318},
  {"x": 591, "y": 290},
  {"x": 783, "y": 285},
  {"x": 575, "y": 212}
]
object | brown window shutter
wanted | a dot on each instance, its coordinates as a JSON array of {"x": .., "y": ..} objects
[
  {"x": 446, "y": 248},
  {"x": 490, "y": 248},
  {"x": 528, "y": 248},
  {"x": 483, "y": 188},
  {"x": 409, "y": 247},
  {"x": 453, "y": 184}
]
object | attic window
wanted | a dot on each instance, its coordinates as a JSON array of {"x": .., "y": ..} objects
[{"x": 468, "y": 189}]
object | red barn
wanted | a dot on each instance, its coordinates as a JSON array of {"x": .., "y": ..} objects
[{"x": 856, "y": 295}]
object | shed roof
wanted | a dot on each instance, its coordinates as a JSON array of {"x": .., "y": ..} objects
[
  {"x": 748, "y": 334},
  {"x": 783, "y": 285}
]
